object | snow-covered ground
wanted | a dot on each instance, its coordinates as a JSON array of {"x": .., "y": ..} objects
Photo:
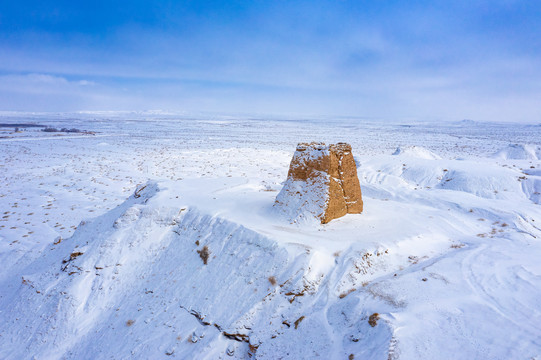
[{"x": 155, "y": 237}]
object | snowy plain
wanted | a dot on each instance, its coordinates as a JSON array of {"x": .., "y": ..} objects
[{"x": 155, "y": 237}]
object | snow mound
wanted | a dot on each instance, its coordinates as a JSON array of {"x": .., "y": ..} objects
[
  {"x": 483, "y": 182},
  {"x": 519, "y": 152},
  {"x": 481, "y": 179},
  {"x": 416, "y": 152},
  {"x": 303, "y": 202}
]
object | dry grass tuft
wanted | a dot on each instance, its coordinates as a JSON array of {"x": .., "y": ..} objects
[
  {"x": 130, "y": 322},
  {"x": 253, "y": 348},
  {"x": 344, "y": 294},
  {"x": 204, "y": 254},
  {"x": 75, "y": 254},
  {"x": 298, "y": 321},
  {"x": 373, "y": 319}
]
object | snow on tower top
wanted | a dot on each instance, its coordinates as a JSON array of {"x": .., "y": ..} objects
[{"x": 321, "y": 183}]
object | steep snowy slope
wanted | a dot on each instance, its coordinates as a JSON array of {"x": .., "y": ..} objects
[{"x": 149, "y": 279}]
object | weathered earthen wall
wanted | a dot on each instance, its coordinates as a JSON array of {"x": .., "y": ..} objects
[{"x": 322, "y": 182}]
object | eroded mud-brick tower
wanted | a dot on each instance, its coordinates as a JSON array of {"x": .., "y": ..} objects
[{"x": 321, "y": 183}]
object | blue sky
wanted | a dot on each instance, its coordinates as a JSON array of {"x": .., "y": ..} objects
[{"x": 444, "y": 60}]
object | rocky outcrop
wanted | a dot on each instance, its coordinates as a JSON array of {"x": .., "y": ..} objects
[{"x": 322, "y": 183}]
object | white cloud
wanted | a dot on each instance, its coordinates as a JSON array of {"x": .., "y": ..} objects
[
  {"x": 42, "y": 81},
  {"x": 41, "y": 91}
]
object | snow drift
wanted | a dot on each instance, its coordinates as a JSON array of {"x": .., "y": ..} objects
[
  {"x": 519, "y": 152},
  {"x": 416, "y": 152}
]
